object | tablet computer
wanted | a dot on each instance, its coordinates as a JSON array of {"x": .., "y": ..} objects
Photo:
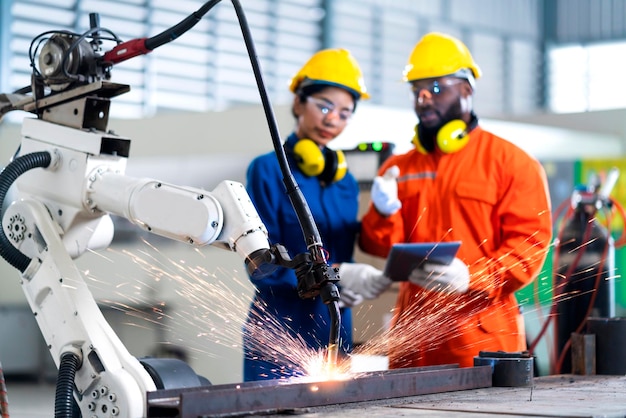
[{"x": 405, "y": 257}]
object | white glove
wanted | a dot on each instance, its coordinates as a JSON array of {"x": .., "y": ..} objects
[
  {"x": 349, "y": 299},
  {"x": 362, "y": 279},
  {"x": 385, "y": 192},
  {"x": 452, "y": 278}
]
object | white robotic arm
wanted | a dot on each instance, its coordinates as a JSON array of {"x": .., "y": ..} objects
[
  {"x": 83, "y": 184},
  {"x": 224, "y": 217},
  {"x": 108, "y": 380},
  {"x": 63, "y": 209}
]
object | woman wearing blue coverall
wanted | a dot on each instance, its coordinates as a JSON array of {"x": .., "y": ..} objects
[{"x": 326, "y": 91}]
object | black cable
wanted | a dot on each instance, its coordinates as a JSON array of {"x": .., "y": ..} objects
[
  {"x": 8, "y": 176},
  {"x": 307, "y": 223},
  {"x": 64, "y": 391},
  {"x": 77, "y": 42},
  {"x": 24, "y": 90},
  {"x": 41, "y": 38},
  {"x": 320, "y": 271},
  {"x": 176, "y": 31}
]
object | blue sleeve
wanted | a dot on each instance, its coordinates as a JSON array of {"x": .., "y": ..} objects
[{"x": 267, "y": 192}]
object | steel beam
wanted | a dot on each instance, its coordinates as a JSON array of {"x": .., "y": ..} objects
[{"x": 273, "y": 396}]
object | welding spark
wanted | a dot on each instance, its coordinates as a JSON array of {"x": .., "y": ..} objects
[
  {"x": 216, "y": 303},
  {"x": 430, "y": 318},
  {"x": 212, "y": 313}
]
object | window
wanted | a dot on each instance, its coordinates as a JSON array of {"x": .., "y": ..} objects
[
  {"x": 206, "y": 68},
  {"x": 586, "y": 77}
]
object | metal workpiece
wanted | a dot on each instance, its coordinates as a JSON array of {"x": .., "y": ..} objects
[
  {"x": 278, "y": 396},
  {"x": 510, "y": 369},
  {"x": 610, "y": 344}
]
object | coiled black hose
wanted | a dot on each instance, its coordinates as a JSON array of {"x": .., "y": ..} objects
[
  {"x": 64, "y": 395},
  {"x": 8, "y": 176}
]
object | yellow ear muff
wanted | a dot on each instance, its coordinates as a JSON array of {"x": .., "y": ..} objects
[
  {"x": 309, "y": 157},
  {"x": 342, "y": 166},
  {"x": 452, "y": 136},
  {"x": 418, "y": 145},
  {"x": 328, "y": 166}
]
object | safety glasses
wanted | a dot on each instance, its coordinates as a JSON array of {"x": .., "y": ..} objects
[
  {"x": 326, "y": 108},
  {"x": 433, "y": 88}
]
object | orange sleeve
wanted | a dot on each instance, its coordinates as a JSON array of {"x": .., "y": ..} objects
[
  {"x": 379, "y": 233},
  {"x": 525, "y": 231}
]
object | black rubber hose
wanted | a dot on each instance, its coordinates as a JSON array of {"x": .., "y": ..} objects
[
  {"x": 174, "y": 32},
  {"x": 8, "y": 176},
  {"x": 64, "y": 395}
]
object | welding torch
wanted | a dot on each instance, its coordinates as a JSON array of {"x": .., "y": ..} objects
[{"x": 315, "y": 276}]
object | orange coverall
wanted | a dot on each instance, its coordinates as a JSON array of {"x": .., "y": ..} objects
[{"x": 491, "y": 196}]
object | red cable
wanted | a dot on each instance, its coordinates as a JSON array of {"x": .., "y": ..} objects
[
  {"x": 621, "y": 240},
  {"x": 559, "y": 281},
  {"x": 561, "y": 207},
  {"x": 592, "y": 301},
  {"x": 4, "y": 402}
]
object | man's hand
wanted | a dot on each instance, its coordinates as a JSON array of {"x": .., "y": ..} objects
[
  {"x": 385, "y": 192},
  {"x": 362, "y": 279},
  {"x": 452, "y": 278}
]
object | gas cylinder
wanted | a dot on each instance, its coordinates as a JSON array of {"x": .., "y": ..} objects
[{"x": 584, "y": 262}]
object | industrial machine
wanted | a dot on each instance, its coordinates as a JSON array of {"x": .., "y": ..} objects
[
  {"x": 583, "y": 265},
  {"x": 69, "y": 177},
  {"x": 365, "y": 159}
]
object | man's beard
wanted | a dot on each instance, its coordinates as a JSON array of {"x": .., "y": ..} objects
[{"x": 428, "y": 134}]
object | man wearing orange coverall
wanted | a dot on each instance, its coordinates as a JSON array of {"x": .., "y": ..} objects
[{"x": 460, "y": 183}]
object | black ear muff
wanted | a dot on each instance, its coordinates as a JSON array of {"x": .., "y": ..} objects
[
  {"x": 342, "y": 166},
  {"x": 328, "y": 165},
  {"x": 452, "y": 137},
  {"x": 335, "y": 166}
]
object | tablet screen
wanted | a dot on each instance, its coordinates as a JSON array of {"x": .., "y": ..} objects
[{"x": 405, "y": 257}]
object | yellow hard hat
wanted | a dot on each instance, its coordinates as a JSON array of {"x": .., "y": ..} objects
[
  {"x": 335, "y": 67},
  {"x": 438, "y": 55}
]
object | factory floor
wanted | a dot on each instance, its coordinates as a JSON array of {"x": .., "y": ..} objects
[
  {"x": 550, "y": 396},
  {"x": 28, "y": 398}
]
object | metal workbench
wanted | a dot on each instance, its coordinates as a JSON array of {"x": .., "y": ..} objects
[
  {"x": 435, "y": 391},
  {"x": 550, "y": 396}
]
